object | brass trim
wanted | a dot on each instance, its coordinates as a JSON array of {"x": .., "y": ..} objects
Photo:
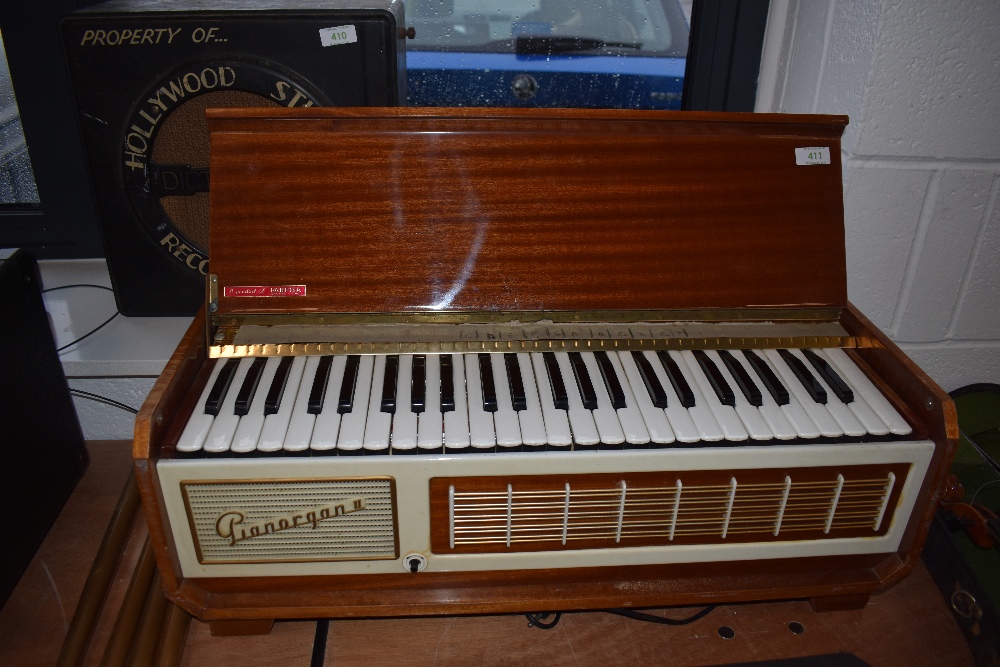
[
  {"x": 213, "y": 293},
  {"x": 585, "y": 345},
  {"x": 296, "y": 480},
  {"x": 533, "y": 316}
]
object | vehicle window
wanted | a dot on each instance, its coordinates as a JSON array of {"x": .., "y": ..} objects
[
  {"x": 17, "y": 183},
  {"x": 557, "y": 53}
]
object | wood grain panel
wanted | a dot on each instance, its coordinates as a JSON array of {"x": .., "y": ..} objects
[
  {"x": 701, "y": 509},
  {"x": 483, "y": 210}
]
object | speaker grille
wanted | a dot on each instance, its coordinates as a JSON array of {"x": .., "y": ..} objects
[
  {"x": 183, "y": 139},
  {"x": 546, "y": 513},
  {"x": 266, "y": 521}
]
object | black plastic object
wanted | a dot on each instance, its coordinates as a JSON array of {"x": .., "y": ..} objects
[{"x": 42, "y": 453}]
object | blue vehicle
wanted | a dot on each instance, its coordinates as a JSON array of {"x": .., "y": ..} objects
[{"x": 624, "y": 54}]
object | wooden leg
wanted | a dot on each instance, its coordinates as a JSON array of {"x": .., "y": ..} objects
[
  {"x": 233, "y": 628},
  {"x": 839, "y": 602}
]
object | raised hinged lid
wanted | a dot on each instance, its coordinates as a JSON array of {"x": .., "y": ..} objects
[{"x": 334, "y": 210}]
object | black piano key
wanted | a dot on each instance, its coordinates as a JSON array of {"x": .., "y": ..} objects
[
  {"x": 389, "y": 381},
  {"x": 245, "y": 397},
  {"x": 742, "y": 378},
  {"x": 317, "y": 395},
  {"x": 677, "y": 379},
  {"x": 809, "y": 382},
  {"x": 559, "y": 396},
  {"x": 648, "y": 375},
  {"x": 277, "y": 390},
  {"x": 833, "y": 380},
  {"x": 515, "y": 381},
  {"x": 583, "y": 381},
  {"x": 716, "y": 379},
  {"x": 486, "y": 380},
  {"x": 447, "y": 384},
  {"x": 767, "y": 376},
  {"x": 614, "y": 386},
  {"x": 418, "y": 384},
  {"x": 345, "y": 403},
  {"x": 222, "y": 381}
]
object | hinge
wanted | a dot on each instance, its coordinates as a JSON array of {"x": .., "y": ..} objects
[{"x": 213, "y": 292}]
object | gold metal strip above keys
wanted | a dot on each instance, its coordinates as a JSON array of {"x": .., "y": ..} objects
[{"x": 584, "y": 345}]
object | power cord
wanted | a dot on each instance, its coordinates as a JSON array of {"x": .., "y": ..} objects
[
  {"x": 92, "y": 331},
  {"x": 662, "y": 620},
  {"x": 102, "y": 399},
  {"x": 540, "y": 619}
]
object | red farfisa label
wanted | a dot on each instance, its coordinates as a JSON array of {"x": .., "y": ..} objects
[{"x": 264, "y": 290}]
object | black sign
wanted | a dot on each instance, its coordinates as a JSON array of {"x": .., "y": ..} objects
[{"x": 142, "y": 80}]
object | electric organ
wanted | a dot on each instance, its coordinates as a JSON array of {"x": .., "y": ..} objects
[{"x": 458, "y": 361}]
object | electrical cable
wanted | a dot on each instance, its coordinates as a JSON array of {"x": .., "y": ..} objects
[
  {"x": 651, "y": 618},
  {"x": 972, "y": 501},
  {"x": 92, "y": 331},
  {"x": 53, "y": 289},
  {"x": 319, "y": 643},
  {"x": 537, "y": 620},
  {"x": 102, "y": 399}
]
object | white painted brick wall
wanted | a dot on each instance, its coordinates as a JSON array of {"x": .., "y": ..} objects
[{"x": 920, "y": 81}]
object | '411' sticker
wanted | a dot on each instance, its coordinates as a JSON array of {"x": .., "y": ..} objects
[{"x": 812, "y": 155}]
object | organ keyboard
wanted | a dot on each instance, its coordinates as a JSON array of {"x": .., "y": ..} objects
[
  {"x": 538, "y": 401},
  {"x": 467, "y": 361}
]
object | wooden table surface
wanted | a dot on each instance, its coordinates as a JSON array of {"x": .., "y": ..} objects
[{"x": 908, "y": 625}]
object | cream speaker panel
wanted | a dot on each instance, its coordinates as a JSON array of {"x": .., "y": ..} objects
[{"x": 477, "y": 512}]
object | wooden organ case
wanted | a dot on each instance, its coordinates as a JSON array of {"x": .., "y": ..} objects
[{"x": 488, "y": 273}]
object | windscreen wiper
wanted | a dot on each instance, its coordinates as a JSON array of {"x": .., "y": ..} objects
[{"x": 545, "y": 45}]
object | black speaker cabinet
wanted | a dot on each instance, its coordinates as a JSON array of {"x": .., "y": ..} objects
[
  {"x": 143, "y": 73},
  {"x": 42, "y": 453}
]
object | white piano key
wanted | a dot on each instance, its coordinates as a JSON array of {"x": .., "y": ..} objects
[
  {"x": 681, "y": 419},
  {"x": 630, "y": 417},
  {"x": 352, "y": 424},
  {"x": 725, "y": 416},
  {"x": 220, "y": 437},
  {"x": 272, "y": 436},
  {"x": 404, "y": 422},
  {"x": 248, "y": 431},
  {"x": 605, "y": 416},
  {"x": 379, "y": 423},
  {"x": 456, "y": 422},
  {"x": 300, "y": 426},
  {"x": 508, "y": 429},
  {"x": 850, "y": 372},
  {"x": 327, "y": 426},
  {"x": 848, "y": 422},
  {"x": 754, "y": 422},
  {"x": 481, "y": 429},
  {"x": 557, "y": 431},
  {"x": 531, "y": 420},
  {"x": 196, "y": 430},
  {"x": 817, "y": 412},
  {"x": 581, "y": 420},
  {"x": 653, "y": 418},
  {"x": 796, "y": 414},
  {"x": 429, "y": 422},
  {"x": 776, "y": 419}
]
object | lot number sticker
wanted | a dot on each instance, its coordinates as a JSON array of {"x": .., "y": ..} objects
[
  {"x": 345, "y": 34},
  {"x": 812, "y": 155}
]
